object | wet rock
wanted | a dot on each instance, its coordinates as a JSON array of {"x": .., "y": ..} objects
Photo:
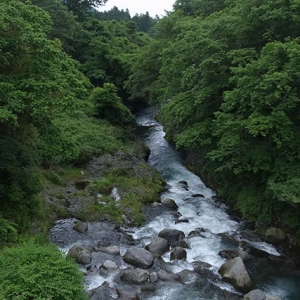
[
  {"x": 135, "y": 276},
  {"x": 182, "y": 244},
  {"x": 251, "y": 236},
  {"x": 178, "y": 253},
  {"x": 172, "y": 235},
  {"x": 198, "y": 196},
  {"x": 110, "y": 250},
  {"x": 274, "y": 236},
  {"x": 252, "y": 250},
  {"x": 168, "y": 276},
  {"x": 182, "y": 220},
  {"x": 229, "y": 254},
  {"x": 203, "y": 269},
  {"x": 235, "y": 273},
  {"x": 110, "y": 265},
  {"x": 187, "y": 275},
  {"x": 158, "y": 246},
  {"x": 229, "y": 238},
  {"x": 138, "y": 257},
  {"x": 183, "y": 184},
  {"x": 102, "y": 292},
  {"x": 127, "y": 295},
  {"x": 153, "y": 277},
  {"x": 104, "y": 243},
  {"x": 81, "y": 254},
  {"x": 170, "y": 203},
  {"x": 272, "y": 298},
  {"x": 255, "y": 295},
  {"x": 80, "y": 227},
  {"x": 155, "y": 204},
  {"x": 197, "y": 232}
]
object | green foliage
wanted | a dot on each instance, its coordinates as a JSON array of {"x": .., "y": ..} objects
[
  {"x": 108, "y": 105},
  {"x": 8, "y": 231},
  {"x": 33, "y": 271},
  {"x": 229, "y": 73},
  {"x": 136, "y": 187}
]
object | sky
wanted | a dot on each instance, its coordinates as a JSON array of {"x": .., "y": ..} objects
[{"x": 154, "y": 7}]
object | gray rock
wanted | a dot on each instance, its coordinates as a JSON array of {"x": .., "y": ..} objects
[
  {"x": 110, "y": 265},
  {"x": 138, "y": 257},
  {"x": 172, "y": 235},
  {"x": 153, "y": 277},
  {"x": 275, "y": 236},
  {"x": 255, "y": 295},
  {"x": 170, "y": 203},
  {"x": 135, "y": 276},
  {"x": 272, "y": 298},
  {"x": 81, "y": 254},
  {"x": 168, "y": 276},
  {"x": 229, "y": 254},
  {"x": 178, "y": 253},
  {"x": 127, "y": 295},
  {"x": 183, "y": 184},
  {"x": 182, "y": 220},
  {"x": 158, "y": 246},
  {"x": 110, "y": 249},
  {"x": 235, "y": 273},
  {"x": 80, "y": 227}
]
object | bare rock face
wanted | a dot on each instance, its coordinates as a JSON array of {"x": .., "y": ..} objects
[
  {"x": 255, "y": 295},
  {"x": 158, "y": 246},
  {"x": 139, "y": 257},
  {"x": 168, "y": 276},
  {"x": 172, "y": 235},
  {"x": 235, "y": 273},
  {"x": 81, "y": 254}
]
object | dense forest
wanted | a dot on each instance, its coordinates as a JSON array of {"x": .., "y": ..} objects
[{"x": 227, "y": 73}]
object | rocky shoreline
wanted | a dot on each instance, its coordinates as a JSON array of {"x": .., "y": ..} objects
[{"x": 107, "y": 250}]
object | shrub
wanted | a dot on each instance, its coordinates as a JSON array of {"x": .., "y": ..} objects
[{"x": 39, "y": 272}]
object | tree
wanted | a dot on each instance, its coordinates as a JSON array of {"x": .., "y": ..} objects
[
  {"x": 81, "y": 8},
  {"x": 110, "y": 107}
]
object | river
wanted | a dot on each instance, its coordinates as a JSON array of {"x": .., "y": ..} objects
[
  {"x": 204, "y": 213},
  {"x": 212, "y": 217}
]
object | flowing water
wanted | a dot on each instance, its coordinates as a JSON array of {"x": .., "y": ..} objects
[{"x": 202, "y": 213}]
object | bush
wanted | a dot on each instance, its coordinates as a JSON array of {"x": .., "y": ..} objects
[{"x": 39, "y": 272}]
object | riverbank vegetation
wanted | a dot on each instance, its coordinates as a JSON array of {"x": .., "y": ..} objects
[
  {"x": 63, "y": 99},
  {"x": 229, "y": 72}
]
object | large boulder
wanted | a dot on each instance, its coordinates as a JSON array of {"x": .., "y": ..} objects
[
  {"x": 235, "y": 273},
  {"x": 178, "y": 253},
  {"x": 275, "y": 236},
  {"x": 255, "y": 295},
  {"x": 135, "y": 276},
  {"x": 170, "y": 203},
  {"x": 139, "y": 257},
  {"x": 172, "y": 235},
  {"x": 158, "y": 246},
  {"x": 81, "y": 254}
]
